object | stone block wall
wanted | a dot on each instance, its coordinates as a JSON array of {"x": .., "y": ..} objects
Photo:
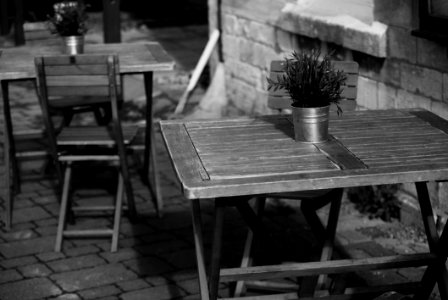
[{"x": 397, "y": 69}]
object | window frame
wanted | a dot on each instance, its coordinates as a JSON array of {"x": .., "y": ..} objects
[{"x": 430, "y": 27}]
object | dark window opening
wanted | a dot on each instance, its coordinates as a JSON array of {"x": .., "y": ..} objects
[{"x": 433, "y": 20}]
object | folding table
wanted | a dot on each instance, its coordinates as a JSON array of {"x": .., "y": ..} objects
[
  {"x": 17, "y": 63},
  {"x": 228, "y": 159}
]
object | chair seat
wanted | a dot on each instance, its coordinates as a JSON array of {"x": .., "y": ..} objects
[{"x": 95, "y": 136}]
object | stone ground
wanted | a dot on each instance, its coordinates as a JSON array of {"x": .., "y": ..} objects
[{"x": 156, "y": 255}]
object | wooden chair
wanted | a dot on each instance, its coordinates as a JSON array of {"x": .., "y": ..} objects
[
  {"x": 311, "y": 200},
  {"x": 33, "y": 144},
  {"x": 61, "y": 80}
]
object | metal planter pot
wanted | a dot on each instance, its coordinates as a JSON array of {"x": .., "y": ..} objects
[
  {"x": 310, "y": 123},
  {"x": 73, "y": 44}
]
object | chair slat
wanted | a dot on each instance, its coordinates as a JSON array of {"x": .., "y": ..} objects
[
  {"x": 56, "y": 70},
  {"x": 78, "y": 91},
  {"x": 347, "y": 66},
  {"x": 76, "y": 135},
  {"x": 77, "y": 80},
  {"x": 75, "y": 59},
  {"x": 352, "y": 78}
]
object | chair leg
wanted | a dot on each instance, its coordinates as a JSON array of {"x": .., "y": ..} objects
[
  {"x": 246, "y": 261},
  {"x": 9, "y": 200},
  {"x": 64, "y": 207},
  {"x": 155, "y": 177},
  {"x": 327, "y": 250},
  {"x": 328, "y": 232},
  {"x": 117, "y": 214},
  {"x": 9, "y": 156}
]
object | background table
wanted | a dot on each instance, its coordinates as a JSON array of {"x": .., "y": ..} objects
[
  {"x": 230, "y": 158},
  {"x": 135, "y": 58}
]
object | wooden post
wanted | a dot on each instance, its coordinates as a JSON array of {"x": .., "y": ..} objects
[
  {"x": 111, "y": 21},
  {"x": 4, "y": 24},
  {"x": 19, "y": 35}
]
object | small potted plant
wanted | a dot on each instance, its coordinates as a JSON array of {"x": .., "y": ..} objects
[
  {"x": 70, "y": 22},
  {"x": 313, "y": 85}
]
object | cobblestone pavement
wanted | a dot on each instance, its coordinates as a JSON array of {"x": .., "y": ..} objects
[{"x": 156, "y": 257}]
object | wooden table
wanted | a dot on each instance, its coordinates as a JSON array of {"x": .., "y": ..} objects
[
  {"x": 135, "y": 58},
  {"x": 229, "y": 158}
]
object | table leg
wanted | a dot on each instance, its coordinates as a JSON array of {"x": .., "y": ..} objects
[
  {"x": 199, "y": 248},
  {"x": 150, "y": 149},
  {"x": 438, "y": 271},
  {"x": 435, "y": 272},
  {"x": 10, "y": 163},
  {"x": 216, "y": 251}
]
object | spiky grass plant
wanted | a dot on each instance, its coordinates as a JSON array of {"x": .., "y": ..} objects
[
  {"x": 309, "y": 80},
  {"x": 70, "y": 18}
]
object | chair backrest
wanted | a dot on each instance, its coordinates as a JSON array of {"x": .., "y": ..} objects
[
  {"x": 66, "y": 81},
  {"x": 280, "y": 99}
]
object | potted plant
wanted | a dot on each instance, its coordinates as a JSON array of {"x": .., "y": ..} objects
[
  {"x": 70, "y": 22},
  {"x": 313, "y": 85}
]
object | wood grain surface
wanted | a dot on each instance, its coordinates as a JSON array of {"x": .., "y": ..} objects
[{"x": 259, "y": 155}]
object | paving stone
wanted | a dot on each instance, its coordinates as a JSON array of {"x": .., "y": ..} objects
[
  {"x": 121, "y": 255},
  {"x": 147, "y": 266},
  {"x": 351, "y": 236},
  {"x": 135, "y": 229},
  {"x": 36, "y": 288},
  {"x": 35, "y": 270},
  {"x": 23, "y": 226},
  {"x": 47, "y": 222},
  {"x": 181, "y": 275},
  {"x": 9, "y": 275},
  {"x": 190, "y": 297},
  {"x": 19, "y": 235},
  {"x": 93, "y": 277},
  {"x": 191, "y": 285},
  {"x": 49, "y": 256},
  {"x": 381, "y": 277},
  {"x": 76, "y": 263},
  {"x": 29, "y": 187},
  {"x": 45, "y": 199},
  {"x": 68, "y": 296},
  {"x": 100, "y": 292},
  {"x": 154, "y": 238},
  {"x": 412, "y": 274},
  {"x": 22, "y": 203},
  {"x": 182, "y": 259},
  {"x": 46, "y": 230},
  {"x": 16, "y": 262},
  {"x": 30, "y": 214},
  {"x": 133, "y": 285},
  {"x": 27, "y": 247},
  {"x": 156, "y": 280},
  {"x": 159, "y": 292},
  {"x": 78, "y": 251},
  {"x": 166, "y": 246},
  {"x": 374, "y": 249}
]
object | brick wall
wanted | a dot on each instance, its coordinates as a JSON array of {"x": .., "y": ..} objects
[{"x": 397, "y": 70}]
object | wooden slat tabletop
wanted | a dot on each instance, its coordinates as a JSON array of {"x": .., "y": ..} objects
[
  {"x": 243, "y": 156},
  {"x": 18, "y": 62}
]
